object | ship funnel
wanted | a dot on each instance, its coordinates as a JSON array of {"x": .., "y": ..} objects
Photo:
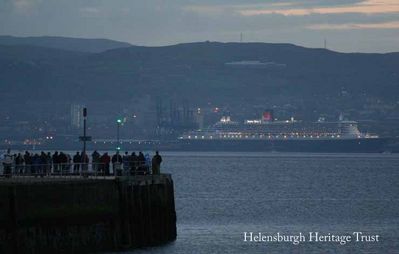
[{"x": 267, "y": 116}]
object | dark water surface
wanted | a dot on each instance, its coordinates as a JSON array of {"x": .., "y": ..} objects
[{"x": 221, "y": 195}]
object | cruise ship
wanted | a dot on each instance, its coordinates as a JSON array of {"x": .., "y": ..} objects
[{"x": 268, "y": 134}]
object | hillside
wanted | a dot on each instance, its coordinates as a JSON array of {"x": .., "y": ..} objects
[
  {"x": 72, "y": 44},
  {"x": 241, "y": 75}
]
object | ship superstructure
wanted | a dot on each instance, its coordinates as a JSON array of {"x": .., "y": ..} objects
[
  {"x": 269, "y": 134},
  {"x": 268, "y": 128}
]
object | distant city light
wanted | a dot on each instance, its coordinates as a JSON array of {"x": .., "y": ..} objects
[{"x": 253, "y": 121}]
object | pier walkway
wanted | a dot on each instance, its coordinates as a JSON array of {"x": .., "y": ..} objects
[{"x": 86, "y": 211}]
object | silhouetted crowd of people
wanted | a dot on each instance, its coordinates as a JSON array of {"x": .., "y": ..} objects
[
  {"x": 45, "y": 163},
  {"x": 133, "y": 163}
]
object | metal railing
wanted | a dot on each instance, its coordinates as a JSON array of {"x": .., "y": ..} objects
[{"x": 74, "y": 170}]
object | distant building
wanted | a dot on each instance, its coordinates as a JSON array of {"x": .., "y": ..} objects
[
  {"x": 199, "y": 119},
  {"x": 77, "y": 115}
]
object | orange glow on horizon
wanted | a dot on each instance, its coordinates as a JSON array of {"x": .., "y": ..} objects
[
  {"x": 365, "y": 7},
  {"x": 350, "y": 26}
]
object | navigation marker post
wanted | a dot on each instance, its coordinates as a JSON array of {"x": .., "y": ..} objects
[{"x": 84, "y": 138}]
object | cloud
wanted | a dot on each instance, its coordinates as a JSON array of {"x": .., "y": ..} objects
[
  {"x": 24, "y": 6},
  {"x": 353, "y": 26},
  {"x": 364, "y": 7},
  {"x": 90, "y": 11},
  {"x": 162, "y": 22},
  {"x": 237, "y": 8}
]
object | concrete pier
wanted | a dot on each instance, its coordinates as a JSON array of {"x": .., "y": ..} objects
[{"x": 84, "y": 215}]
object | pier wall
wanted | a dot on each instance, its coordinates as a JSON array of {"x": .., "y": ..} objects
[{"x": 86, "y": 215}]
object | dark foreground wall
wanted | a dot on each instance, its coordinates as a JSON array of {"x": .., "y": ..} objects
[{"x": 85, "y": 215}]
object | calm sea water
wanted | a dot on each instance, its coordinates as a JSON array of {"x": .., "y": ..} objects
[{"x": 221, "y": 195}]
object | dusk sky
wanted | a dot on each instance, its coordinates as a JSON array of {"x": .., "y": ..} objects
[{"x": 348, "y": 25}]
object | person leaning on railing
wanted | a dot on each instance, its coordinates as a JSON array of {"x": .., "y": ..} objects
[
  {"x": 28, "y": 162},
  {"x": 133, "y": 163},
  {"x": 19, "y": 164},
  {"x": 84, "y": 158},
  {"x": 156, "y": 163},
  {"x": 116, "y": 164},
  {"x": 48, "y": 163},
  {"x": 96, "y": 161},
  {"x": 76, "y": 162},
  {"x": 7, "y": 163},
  {"x": 105, "y": 160},
  {"x": 126, "y": 163},
  {"x": 56, "y": 162}
]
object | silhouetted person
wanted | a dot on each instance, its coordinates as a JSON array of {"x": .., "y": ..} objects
[
  {"x": 63, "y": 160},
  {"x": 116, "y": 163},
  {"x": 19, "y": 161},
  {"x": 147, "y": 163},
  {"x": 68, "y": 165},
  {"x": 105, "y": 160},
  {"x": 76, "y": 162},
  {"x": 156, "y": 163},
  {"x": 56, "y": 162},
  {"x": 126, "y": 162},
  {"x": 95, "y": 158},
  {"x": 48, "y": 163},
  {"x": 28, "y": 162},
  {"x": 35, "y": 164},
  {"x": 84, "y": 159},
  {"x": 43, "y": 162},
  {"x": 141, "y": 163},
  {"x": 7, "y": 163},
  {"x": 133, "y": 163}
]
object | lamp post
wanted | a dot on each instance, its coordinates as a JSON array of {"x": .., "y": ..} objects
[
  {"x": 84, "y": 133},
  {"x": 118, "y": 125},
  {"x": 117, "y": 164}
]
